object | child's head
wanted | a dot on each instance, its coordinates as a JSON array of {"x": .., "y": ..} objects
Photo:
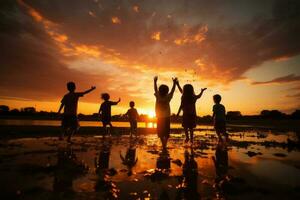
[
  {"x": 105, "y": 96},
  {"x": 71, "y": 86},
  {"x": 217, "y": 98},
  {"x": 163, "y": 90},
  {"x": 188, "y": 90},
  {"x": 131, "y": 104}
]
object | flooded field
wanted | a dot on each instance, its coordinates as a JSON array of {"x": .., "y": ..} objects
[{"x": 260, "y": 165}]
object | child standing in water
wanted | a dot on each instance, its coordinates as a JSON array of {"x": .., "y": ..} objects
[
  {"x": 69, "y": 102},
  {"x": 219, "y": 117},
  {"x": 133, "y": 117},
  {"x": 163, "y": 111},
  {"x": 105, "y": 110},
  {"x": 188, "y": 105}
]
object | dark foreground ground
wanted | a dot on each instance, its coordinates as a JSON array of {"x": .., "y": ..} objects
[{"x": 254, "y": 164}]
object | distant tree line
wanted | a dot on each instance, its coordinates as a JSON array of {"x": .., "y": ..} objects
[{"x": 31, "y": 112}]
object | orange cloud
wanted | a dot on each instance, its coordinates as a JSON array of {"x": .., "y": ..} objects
[
  {"x": 88, "y": 50},
  {"x": 136, "y": 9},
  {"x": 115, "y": 20},
  {"x": 283, "y": 79},
  {"x": 156, "y": 35},
  {"x": 196, "y": 38}
]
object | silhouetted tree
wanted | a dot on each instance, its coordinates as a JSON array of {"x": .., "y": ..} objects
[
  {"x": 4, "y": 109},
  {"x": 234, "y": 115},
  {"x": 30, "y": 110},
  {"x": 14, "y": 111},
  {"x": 272, "y": 114},
  {"x": 295, "y": 114}
]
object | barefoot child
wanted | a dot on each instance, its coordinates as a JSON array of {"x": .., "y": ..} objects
[
  {"x": 219, "y": 117},
  {"x": 69, "y": 102},
  {"x": 188, "y": 106},
  {"x": 162, "y": 109},
  {"x": 105, "y": 111},
  {"x": 133, "y": 117}
]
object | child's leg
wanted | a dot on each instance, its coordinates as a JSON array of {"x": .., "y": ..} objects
[
  {"x": 219, "y": 134},
  {"x": 72, "y": 132},
  {"x": 70, "y": 135},
  {"x": 63, "y": 132},
  {"x": 111, "y": 128},
  {"x": 186, "y": 131},
  {"x": 226, "y": 134},
  {"x": 131, "y": 130},
  {"x": 105, "y": 130},
  {"x": 164, "y": 142},
  {"x": 192, "y": 135}
]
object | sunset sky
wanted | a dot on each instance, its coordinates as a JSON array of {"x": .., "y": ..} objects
[{"x": 247, "y": 51}]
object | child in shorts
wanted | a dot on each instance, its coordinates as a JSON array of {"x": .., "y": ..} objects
[
  {"x": 219, "y": 117},
  {"x": 133, "y": 117},
  {"x": 69, "y": 102},
  {"x": 163, "y": 111}
]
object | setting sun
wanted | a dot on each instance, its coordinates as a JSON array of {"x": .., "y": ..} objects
[{"x": 149, "y": 113}]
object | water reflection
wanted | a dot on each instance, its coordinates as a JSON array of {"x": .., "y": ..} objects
[
  {"x": 181, "y": 172},
  {"x": 67, "y": 169},
  {"x": 103, "y": 183},
  {"x": 188, "y": 189},
  {"x": 130, "y": 158},
  {"x": 221, "y": 167}
]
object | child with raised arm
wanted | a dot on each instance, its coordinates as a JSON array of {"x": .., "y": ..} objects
[
  {"x": 105, "y": 110},
  {"x": 133, "y": 116},
  {"x": 219, "y": 117},
  {"x": 163, "y": 111},
  {"x": 69, "y": 102},
  {"x": 188, "y": 106}
]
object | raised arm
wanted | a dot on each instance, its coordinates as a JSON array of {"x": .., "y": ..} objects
[
  {"x": 155, "y": 84},
  {"x": 174, "y": 86},
  {"x": 179, "y": 87},
  {"x": 200, "y": 94},
  {"x": 116, "y": 102},
  {"x": 89, "y": 90}
]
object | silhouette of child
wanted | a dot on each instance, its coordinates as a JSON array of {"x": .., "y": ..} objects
[
  {"x": 105, "y": 110},
  {"x": 219, "y": 117},
  {"x": 69, "y": 102},
  {"x": 163, "y": 111},
  {"x": 133, "y": 117},
  {"x": 188, "y": 105}
]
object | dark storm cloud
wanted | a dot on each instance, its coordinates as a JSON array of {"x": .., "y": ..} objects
[
  {"x": 240, "y": 35},
  {"x": 284, "y": 79}
]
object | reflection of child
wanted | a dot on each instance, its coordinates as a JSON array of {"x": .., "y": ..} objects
[
  {"x": 188, "y": 105},
  {"x": 69, "y": 103},
  {"x": 219, "y": 117},
  {"x": 163, "y": 112},
  {"x": 221, "y": 161},
  {"x": 130, "y": 158},
  {"x": 133, "y": 117},
  {"x": 105, "y": 110}
]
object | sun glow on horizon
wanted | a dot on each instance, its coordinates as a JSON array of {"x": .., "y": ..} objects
[{"x": 150, "y": 113}]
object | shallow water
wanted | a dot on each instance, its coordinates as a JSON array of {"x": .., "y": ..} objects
[
  {"x": 251, "y": 165},
  {"x": 33, "y": 122}
]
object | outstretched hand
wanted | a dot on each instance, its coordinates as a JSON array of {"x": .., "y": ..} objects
[
  {"x": 203, "y": 89},
  {"x": 155, "y": 78},
  {"x": 119, "y": 99},
  {"x": 175, "y": 80},
  {"x": 93, "y": 87}
]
